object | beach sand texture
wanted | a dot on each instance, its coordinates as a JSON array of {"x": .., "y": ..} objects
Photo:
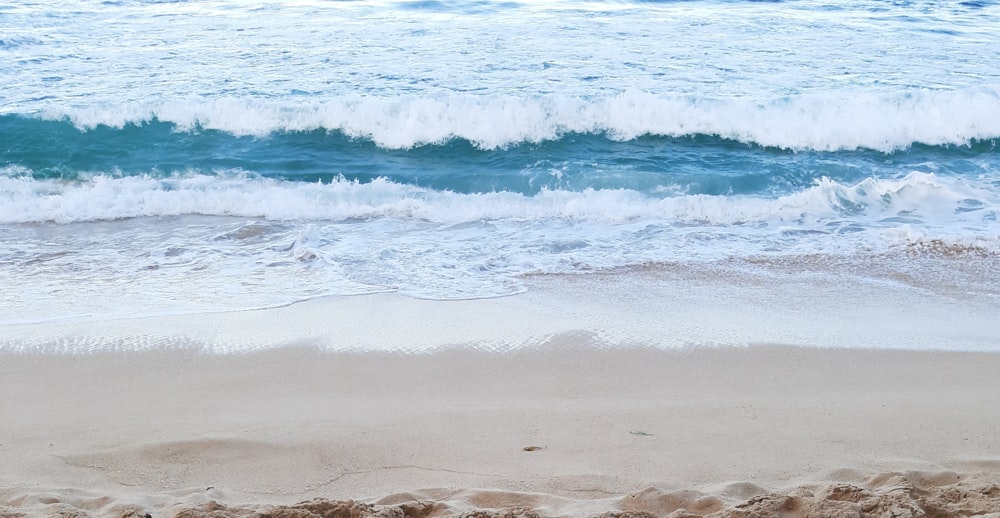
[{"x": 759, "y": 431}]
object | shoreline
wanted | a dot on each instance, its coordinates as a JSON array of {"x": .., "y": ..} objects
[
  {"x": 725, "y": 426},
  {"x": 815, "y": 303},
  {"x": 661, "y": 390}
]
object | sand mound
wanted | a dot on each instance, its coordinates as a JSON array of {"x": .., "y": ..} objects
[
  {"x": 897, "y": 496},
  {"x": 900, "y": 495},
  {"x": 318, "y": 508}
]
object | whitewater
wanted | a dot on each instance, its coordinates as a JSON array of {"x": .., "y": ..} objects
[{"x": 165, "y": 158}]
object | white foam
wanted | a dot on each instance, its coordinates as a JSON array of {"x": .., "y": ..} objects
[
  {"x": 835, "y": 120},
  {"x": 920, "y": 196},
  {"x": 133, "y": 246}
]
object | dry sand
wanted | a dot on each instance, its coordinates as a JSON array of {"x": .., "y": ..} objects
[{"x": 759, "y": 431}]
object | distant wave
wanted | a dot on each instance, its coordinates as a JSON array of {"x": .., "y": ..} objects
[
  {"x": 831, "y": 121},
  {"x": 919, "y": 198}
]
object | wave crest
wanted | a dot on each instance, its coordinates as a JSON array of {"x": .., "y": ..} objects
[{"x": 829, "y": 121}]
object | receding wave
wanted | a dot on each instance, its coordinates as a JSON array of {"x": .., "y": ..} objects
[{"x": 830, "y": 121}]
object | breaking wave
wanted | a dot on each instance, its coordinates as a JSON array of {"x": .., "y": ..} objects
[{"x": 832, "y": 121}]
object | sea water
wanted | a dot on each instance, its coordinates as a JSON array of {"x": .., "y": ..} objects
[{"x": 175, "y": 157}]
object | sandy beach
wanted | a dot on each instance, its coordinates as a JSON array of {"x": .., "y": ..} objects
[
  {"x": 662, "y": 392},
  {"x": 559, "y": 429},
  {"x": 499, "y": 259}
]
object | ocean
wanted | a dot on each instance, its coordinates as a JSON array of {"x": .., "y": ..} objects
[{"x": 200, "y": 156}]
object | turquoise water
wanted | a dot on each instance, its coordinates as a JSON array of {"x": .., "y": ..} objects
[{"x": 214, "y": 155}]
